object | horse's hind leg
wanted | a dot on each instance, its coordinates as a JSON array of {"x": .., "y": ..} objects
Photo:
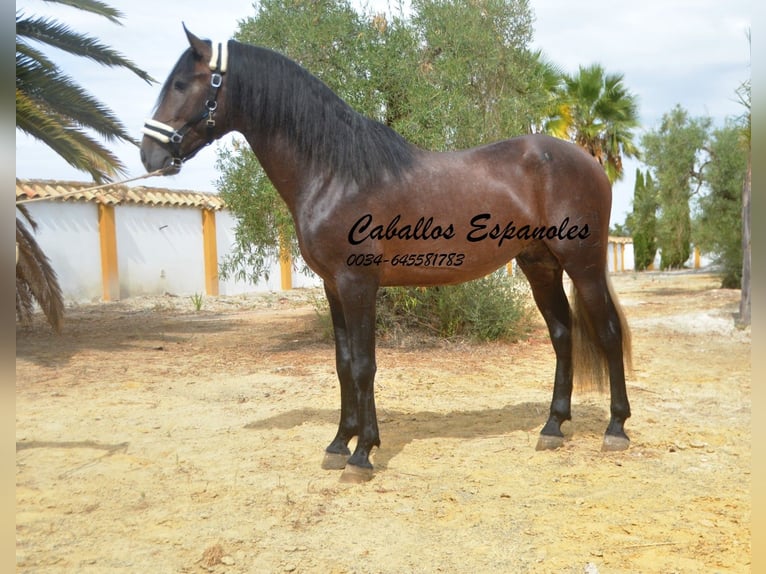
[
  {"x": 544, "y": 273},
  {"x": 604, "y": 326}
]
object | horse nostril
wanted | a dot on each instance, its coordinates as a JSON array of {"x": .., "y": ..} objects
[{"x": 143, "y": 157}]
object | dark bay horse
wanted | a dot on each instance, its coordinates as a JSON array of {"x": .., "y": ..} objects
[{"x": 373, "y": 210}]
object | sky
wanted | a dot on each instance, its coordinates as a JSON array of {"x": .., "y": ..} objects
[{"x": 689, "y": 52}]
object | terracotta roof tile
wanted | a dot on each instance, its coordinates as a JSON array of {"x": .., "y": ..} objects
[{"x": 114, "y": 194}]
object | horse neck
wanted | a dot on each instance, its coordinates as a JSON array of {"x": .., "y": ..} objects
[
  {"x": 284, "y": 166},
  {"x": 276, "y": 148},
  {"x": 304, "y": 135}
]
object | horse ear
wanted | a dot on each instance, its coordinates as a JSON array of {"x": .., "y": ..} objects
[{"x": 200, "y": 47}]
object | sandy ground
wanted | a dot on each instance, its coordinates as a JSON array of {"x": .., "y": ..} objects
[{"x": 152, "y": 437}]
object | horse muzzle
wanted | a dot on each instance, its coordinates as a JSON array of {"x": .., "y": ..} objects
[{"x": 156, "y": 157}]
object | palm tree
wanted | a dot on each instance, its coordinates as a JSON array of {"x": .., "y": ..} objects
[
  {"x": 547, "y": 80},
  {"x": 597, "y": 112},
  {"x": 52, "y": 108},
  {"x": 35, "y": 278}
]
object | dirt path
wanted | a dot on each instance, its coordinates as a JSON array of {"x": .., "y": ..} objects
[{"x": 155, "y": 438}]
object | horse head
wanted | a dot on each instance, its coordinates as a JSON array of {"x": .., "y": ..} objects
[{"x": 189, "y": 108}]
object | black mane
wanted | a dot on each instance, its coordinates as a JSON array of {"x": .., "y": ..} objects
[{"x": 281, "y": 98}]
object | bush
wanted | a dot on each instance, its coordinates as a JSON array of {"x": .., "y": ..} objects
[{"x": 496, "y": 307}]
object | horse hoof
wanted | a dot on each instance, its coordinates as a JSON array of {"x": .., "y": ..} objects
[
  {"x": 615, "y": 443},
  {"x": 356, "y": 474},
  {"x": 334, "y": 461},
  {"x": 548, "y": 442}
]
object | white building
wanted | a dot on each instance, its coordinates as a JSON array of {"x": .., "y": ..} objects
[{"x": 121, "y": 241}]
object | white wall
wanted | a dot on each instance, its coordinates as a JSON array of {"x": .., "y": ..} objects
[
  {"x": 626, "y": 253},
  {"x": 159, "y": 250},
  {"x": 68, "y": 234},
  {"x": 225, "y": 225}
]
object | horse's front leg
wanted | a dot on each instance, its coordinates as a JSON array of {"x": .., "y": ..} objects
[
  {"x": 356, "y": 371},
  {"x": 337, "y": 452}
]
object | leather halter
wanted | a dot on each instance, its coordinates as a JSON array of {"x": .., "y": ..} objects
[{"x": 172, "y": 137}]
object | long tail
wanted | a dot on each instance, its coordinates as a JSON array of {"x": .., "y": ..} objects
[{"x": 589, "y": 360}]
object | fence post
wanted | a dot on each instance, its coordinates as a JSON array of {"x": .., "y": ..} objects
[
  {"x": 285, "y": 264},
  {"x": 210, "y": 251},
  {"x": 622, "y": 256},
  {"x": 107, "y": 234}
]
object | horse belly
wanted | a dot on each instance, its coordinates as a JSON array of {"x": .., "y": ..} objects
[
  {"x": 429, "y": 278},
  {"x": 435, "y": 264}
]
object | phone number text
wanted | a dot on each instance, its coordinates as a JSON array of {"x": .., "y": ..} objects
[{"x": 407, "y": 260}]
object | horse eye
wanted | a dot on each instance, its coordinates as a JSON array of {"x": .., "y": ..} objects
[{"x": 179, "y": 85}]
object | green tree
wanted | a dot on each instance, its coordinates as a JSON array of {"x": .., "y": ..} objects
[
  {"x": 547, "y": 93},
  {"x": 408, "y": 102},
  {"x": 674, "y": 155},
  {"x": 52, "y": 108},
  {"x": 487, "y": 84},
  {"x": 718, "y": 229},
  {"x": 598, "y": 113},
  {"x": 620, "y": 229},
  {"x": 326, "y": 37},
  {"x": 643, "y": 220},
  {"x": 265, "y": 228}
]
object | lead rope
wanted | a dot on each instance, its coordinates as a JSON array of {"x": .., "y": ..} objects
[{"x": 94, "y": 188}]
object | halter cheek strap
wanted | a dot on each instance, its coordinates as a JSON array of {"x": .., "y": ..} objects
[{"x": 173, "y": 137}]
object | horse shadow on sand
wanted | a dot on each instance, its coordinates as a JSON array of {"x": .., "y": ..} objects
[{"x": 400, "y": 428}]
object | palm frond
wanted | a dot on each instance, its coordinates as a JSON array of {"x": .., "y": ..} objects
[
  {"x": 560, "y": 124},
  {"x": 94, "y": 7},
  {"x": 36, "y": 280},
  {"x": 61, "y": 36},
  {"x": 28, "y": 216},
  {"x": 73, "y": 145},
  {"x": 598, "y": 112},
  {"x": 27, "y": 53},
  {"x": 52, "y": 108},
  {"x": 56, "y": 93}
]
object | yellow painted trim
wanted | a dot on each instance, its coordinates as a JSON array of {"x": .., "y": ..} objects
[
  {"x": 622, "y": 257},
  {"x": 210, "y": 251},
  {"x": 107, "y": 232},
  {"x": 285, "y": 265},
  {"x": 286, "y": 273}
]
